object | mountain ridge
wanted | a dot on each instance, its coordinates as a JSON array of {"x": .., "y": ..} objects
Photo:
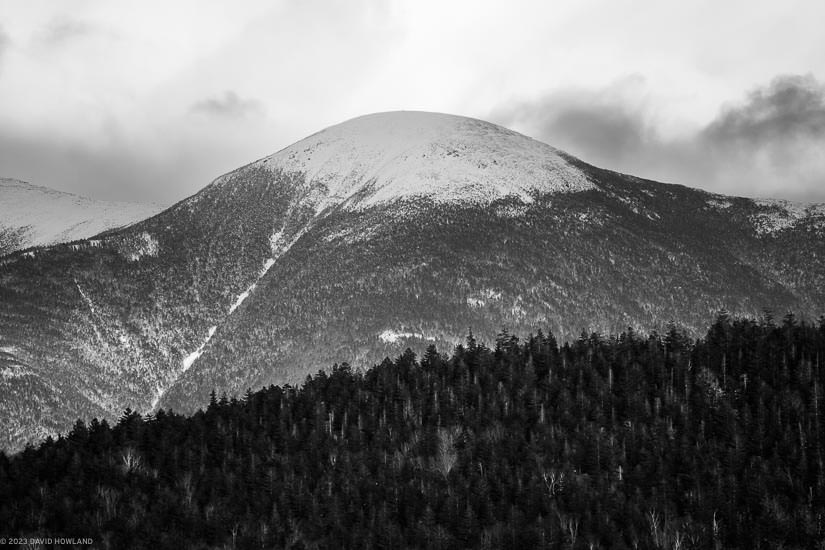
[{"x": 35, "y": 216}]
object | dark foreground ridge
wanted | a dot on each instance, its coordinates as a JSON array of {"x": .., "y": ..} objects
[{"x": 626, "y": 442}]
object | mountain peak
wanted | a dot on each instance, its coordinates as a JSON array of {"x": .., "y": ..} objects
[
  {"x": 39, "y": 216},
  {"x": 386, "y": 156}
]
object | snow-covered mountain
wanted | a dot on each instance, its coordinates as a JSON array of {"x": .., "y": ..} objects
[
  {"x": 388, "y": 231},
  {"x": 31, "y": 215},
  {"x": 390, "y": 156}
]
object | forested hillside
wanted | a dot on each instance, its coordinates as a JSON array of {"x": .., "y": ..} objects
[{"x": 623, "y": 442}]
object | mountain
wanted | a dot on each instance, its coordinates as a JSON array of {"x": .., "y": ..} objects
[
  {"x": 32, "y": 216},
  {"x": 388, "y": 231}
]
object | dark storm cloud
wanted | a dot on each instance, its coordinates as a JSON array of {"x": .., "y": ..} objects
[
  {"x": 789, "y": 108},
  {"x": 605, "y": 127},
  {"x": 770, "y": 144},
  {"x": 774, "y": 140},
  {"x": 112, "y": 173},
  {"x": 614, "y": 132},
  {"x": 121, "y": 170},
  {"x": 229, "y": 105}
]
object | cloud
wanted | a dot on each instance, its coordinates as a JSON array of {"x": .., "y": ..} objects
[
  {"x": 789, "y": 108},
  {"x": 129, "y": 167},
  {"x": 229, "y": 105},
  {"x": 5, "y": 42},
  {"x": 62, "y": 30},
  {"x": 114, "y": 173},
  {"x": 605, "y": 126},
  {"x": 158, "y": 163},
  {"x": 773, "y": 141},
  {"x": 769, "y": 144}
]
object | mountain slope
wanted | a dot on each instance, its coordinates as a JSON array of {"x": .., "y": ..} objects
[
  {"x": 387, "y": 231},
  {"x": 36, "y": 216}
]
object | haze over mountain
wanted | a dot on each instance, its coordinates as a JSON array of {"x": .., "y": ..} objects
[
  {"x": 31, "y": 215},
  {"x": 387, "y": 231}
]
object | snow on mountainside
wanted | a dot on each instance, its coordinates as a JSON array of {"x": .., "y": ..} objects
[
  {"x": 385, "y": 156},
  {"x": 40, "y": 216},
  {"x": 776, "y": 215}
]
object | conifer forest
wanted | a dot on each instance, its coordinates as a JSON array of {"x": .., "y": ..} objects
[{"x": 631, "y": 441}]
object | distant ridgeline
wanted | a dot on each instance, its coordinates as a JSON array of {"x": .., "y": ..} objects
[{"x": 624, "y": 442}]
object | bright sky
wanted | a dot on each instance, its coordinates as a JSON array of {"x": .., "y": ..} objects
[{"x": 151, "y": 100}]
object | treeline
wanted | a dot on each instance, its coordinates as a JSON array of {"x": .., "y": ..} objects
[{"x": 623, "y": 442}]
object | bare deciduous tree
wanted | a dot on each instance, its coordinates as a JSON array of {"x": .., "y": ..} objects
[
  {"x": 446, "y": 457},
  {"x": 132, "y": 462}
]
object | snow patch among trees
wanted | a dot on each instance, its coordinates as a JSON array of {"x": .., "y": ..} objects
[
  {"x": 391, "y": 336},
  {"x": 719, "y": 203},
  {"x": 138, "y": 246},
  {"x": 243, "y": 296},
  {"x": 267, "y": 266},
  {"x": 776, "y": 215},
  {"x": 475, "y": 302},
  {"x": 192, "y": 357},
  {"x": 92, "y": 310},
  {"x": 279, "y": 248},
  {"x": 15, "y": 371}
]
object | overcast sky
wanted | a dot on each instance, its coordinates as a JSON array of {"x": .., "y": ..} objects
[{"x": 150, "y": 100}]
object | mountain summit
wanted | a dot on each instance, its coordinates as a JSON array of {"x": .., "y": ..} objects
[
  {"x": 387, "y": 156},
  {"x": 385, "y": 232},
  {"x": 31, "y": 215}
]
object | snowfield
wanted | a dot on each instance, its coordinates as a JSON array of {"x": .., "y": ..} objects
[
  {"x": 386, "y": 156},
  {"x": 48, "y": 216}
]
